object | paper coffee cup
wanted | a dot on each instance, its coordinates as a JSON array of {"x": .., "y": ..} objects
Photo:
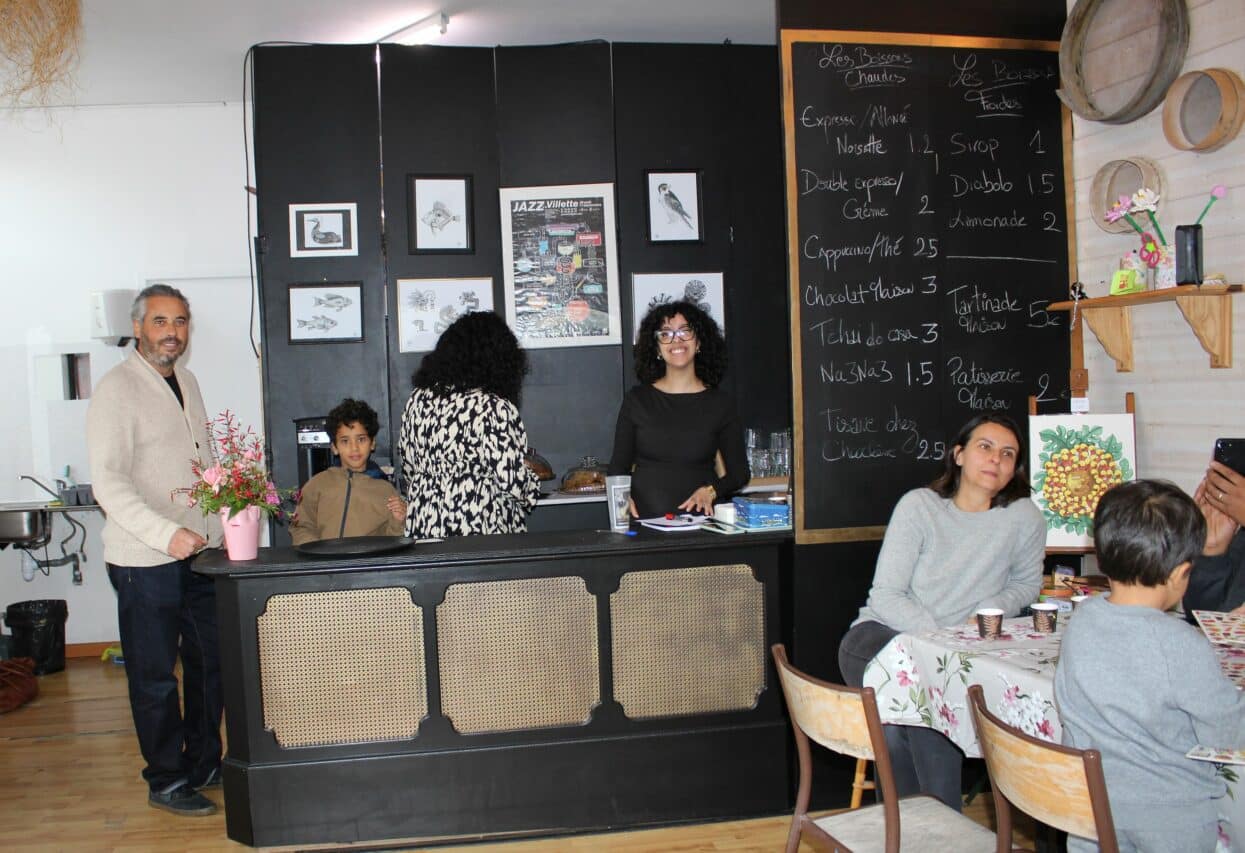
[
  {"x": 989, "y": 622},
  {"x": 1078, "y": 600},
  {"x": 1045, "y": 616},
  {"x": 618, "y": 493}
]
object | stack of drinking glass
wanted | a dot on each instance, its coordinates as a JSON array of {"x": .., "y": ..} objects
[{"x": 771, "y": 461}]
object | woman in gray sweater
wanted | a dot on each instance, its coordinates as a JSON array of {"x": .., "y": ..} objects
[{"x": 971, "y": 539}]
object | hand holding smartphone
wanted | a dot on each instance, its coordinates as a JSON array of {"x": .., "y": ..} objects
[
  {"x": 1223, "y": 491},
  {"x": 1231, "y": 452}
]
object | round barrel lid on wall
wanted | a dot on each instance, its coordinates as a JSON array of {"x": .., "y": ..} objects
[
  {"x": 1117, "y": 57},
  {"x": 1204, "y": 109}
]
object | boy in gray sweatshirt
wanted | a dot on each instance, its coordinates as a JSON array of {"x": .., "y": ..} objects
[{"x": 1143, "y": 687}]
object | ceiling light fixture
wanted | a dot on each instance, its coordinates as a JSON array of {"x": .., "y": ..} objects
[{"x": 420, "y": 32}]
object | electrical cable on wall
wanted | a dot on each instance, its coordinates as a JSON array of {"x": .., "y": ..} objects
[{"x": 250, "y": 189}]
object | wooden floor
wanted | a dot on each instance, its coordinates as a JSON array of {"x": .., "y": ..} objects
[{"x": 70, "y": 780}]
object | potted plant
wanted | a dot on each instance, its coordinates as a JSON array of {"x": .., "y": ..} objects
[{"x": 236, "y": 485}]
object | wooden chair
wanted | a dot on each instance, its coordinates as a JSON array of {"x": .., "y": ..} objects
[
  {"x": 1057, "y": 785},
  {"x": 860, "y": 784},
  {"x": 845, "y": 720}
]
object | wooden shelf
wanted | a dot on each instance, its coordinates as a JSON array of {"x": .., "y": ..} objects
[{"x": 1207, "y": 308}]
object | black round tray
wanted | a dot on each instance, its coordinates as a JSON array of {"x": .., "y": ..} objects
[{"x": 354, "y": 546}]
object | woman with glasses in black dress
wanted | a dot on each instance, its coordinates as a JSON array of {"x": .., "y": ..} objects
[{"x": 672, "y": 427}]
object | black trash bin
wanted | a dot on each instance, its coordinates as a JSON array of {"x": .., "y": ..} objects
[{"x": 39, "y": 632}]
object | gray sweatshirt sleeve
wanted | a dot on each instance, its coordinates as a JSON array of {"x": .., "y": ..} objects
[
  {"x": 891, "y": 597},
  {"x": 1024, "y": 575}
]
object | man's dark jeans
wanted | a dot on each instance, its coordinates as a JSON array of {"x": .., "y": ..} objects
[{"x": 163, "y": 612}]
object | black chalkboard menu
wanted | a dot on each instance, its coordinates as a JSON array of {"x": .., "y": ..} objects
[{"x": 928, "y": 231}]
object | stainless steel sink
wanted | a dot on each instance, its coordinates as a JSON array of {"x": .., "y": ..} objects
[{"x": 24, "y": 526}]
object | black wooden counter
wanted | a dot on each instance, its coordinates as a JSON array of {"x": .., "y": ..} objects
[{"x": 540, "y": 683}]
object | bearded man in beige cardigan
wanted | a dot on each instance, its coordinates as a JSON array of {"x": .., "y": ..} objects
[{"x": 145, "y": 424}]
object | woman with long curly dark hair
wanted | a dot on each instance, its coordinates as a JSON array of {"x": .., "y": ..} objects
[
  {"x": 672, "y": 427},
  {"x": 462, "y": 440}
]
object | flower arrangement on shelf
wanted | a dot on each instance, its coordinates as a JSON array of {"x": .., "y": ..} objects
[
  {"x": 1146, "y": 201},
  {"x": 236, "y": 478},
  {"x": 1154, "y": 251}
]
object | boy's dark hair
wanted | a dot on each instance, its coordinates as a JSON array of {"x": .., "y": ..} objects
[
  {"x": 349, "y": 412},
  {"x": 948, "y": 482},
  {"x": 477, "y": 351},
  {"x": 1144, "y": 529},
  {"x": 710, "y": 364}
]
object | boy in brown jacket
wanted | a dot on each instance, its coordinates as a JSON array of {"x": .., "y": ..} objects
[{"x": 346, "y": 500}]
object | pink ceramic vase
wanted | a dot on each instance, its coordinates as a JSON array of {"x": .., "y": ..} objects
[{"x": 241, "y": 533}]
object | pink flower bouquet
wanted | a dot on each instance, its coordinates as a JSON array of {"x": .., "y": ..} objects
[{"x": 236, "y": 478}]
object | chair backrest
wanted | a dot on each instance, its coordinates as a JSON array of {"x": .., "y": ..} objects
[
  {"x": 1057, "y": 785},
  {"x": 830, "y": 714},
  {"x": 842, "y": 719}
]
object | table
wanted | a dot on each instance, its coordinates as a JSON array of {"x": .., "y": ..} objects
[{"x": 923, "y": 680}]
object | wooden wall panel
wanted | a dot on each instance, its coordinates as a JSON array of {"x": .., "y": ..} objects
[{"x": 1182, "y": 404}]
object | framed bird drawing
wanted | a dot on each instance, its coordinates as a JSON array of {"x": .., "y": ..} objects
[
  {"x": 323, "y": 230},
  {"x": 674, "y": 205}
]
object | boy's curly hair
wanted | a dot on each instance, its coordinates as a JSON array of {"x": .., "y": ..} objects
[
  {"x": 477, "y": 351},
  {"x": 350, "y": 411},
  {"x": 710, "y": 361}
]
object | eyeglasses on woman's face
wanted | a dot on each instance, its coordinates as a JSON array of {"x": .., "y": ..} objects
[{"x": 669, "y": 336}]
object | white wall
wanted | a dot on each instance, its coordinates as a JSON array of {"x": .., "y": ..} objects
[
  {"x": 1182, "y": 404},
  {"x": 100, "y": 198}
]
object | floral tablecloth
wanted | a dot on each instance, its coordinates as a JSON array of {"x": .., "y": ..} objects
[{"x": 923, "y": 680}]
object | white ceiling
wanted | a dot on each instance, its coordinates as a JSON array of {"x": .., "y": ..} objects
[{"x": 174, "y": 51}]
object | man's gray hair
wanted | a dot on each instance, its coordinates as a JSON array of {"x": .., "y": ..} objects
[{"x": 139, "y": 309}]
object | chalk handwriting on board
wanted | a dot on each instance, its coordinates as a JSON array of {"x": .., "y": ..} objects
[{"x": 928, "y": 238}]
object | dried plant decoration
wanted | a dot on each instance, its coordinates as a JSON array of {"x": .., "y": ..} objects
[{"x": 38, "y": 48}]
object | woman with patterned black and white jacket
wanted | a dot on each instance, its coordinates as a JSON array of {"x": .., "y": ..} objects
[{"x": 462, "y": 440}]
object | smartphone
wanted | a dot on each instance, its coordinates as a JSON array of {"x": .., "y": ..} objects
[{"x": 1231, "y": 452}]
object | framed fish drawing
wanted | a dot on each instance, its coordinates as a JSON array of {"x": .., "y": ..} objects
[
  {"x": 326, "y": 312},
  {"x": 439, "y": 214},
  {"x": 323, "y": 230},
  {"x": 674, "y": 204}
]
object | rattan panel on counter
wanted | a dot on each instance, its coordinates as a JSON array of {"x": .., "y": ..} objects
[
  {"x": 518, "y": 654},
  {"x": 342, "y": 667},
  {"x": 688, "y": 641}
]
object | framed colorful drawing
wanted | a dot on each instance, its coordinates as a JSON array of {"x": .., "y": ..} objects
[
  {"x": 561, "y": 265},
  {"x": 1073, "y": 460}
]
